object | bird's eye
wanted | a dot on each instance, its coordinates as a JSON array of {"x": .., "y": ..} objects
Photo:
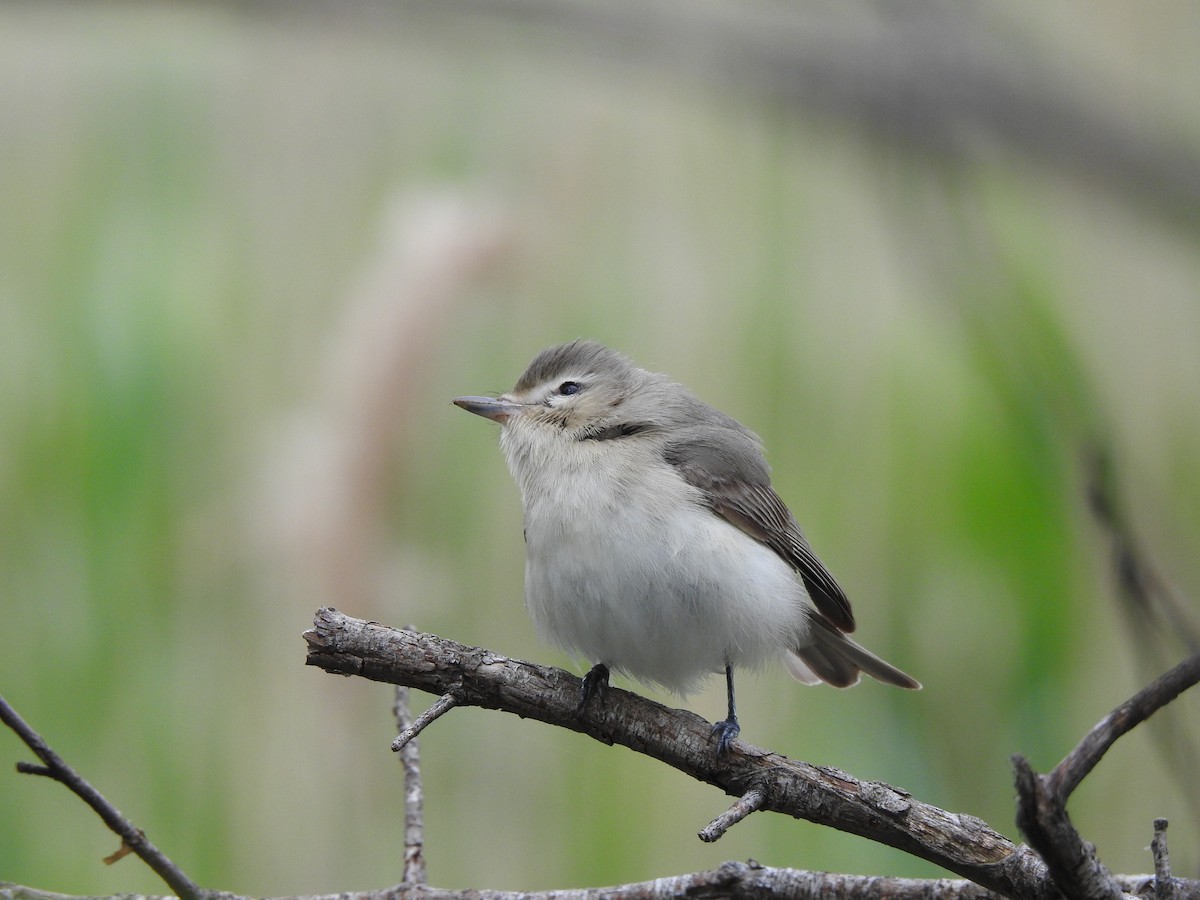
[{"x": 567, "y": 388}]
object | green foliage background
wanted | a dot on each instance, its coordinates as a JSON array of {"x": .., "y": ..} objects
[{"x": 195, "y": 201}]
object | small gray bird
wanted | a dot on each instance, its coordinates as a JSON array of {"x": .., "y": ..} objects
[{"x": 655, "y": 544}]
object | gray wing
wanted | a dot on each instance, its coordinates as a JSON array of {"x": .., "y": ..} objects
[{"x": 727, "y": 466}]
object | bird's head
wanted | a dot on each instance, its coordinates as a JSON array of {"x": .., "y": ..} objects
[{"x": 582, "y": 390}]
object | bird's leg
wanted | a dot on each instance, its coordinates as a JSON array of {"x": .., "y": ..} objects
[
  {"x": 726, "y": 731},
  {"x": 595, "y": 683}
]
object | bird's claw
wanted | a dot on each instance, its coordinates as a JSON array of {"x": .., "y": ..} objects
[
  {"x": 726, "y": 733},
  {"x": 595, "y": 683}
]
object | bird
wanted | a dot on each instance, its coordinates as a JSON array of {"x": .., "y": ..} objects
[{"x": 656, "y": 546}]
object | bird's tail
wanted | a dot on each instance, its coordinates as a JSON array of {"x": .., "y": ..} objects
[{"x": 833, "y": 658}]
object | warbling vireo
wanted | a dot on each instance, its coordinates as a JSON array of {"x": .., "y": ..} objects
[{"x": 655, "y": 544}]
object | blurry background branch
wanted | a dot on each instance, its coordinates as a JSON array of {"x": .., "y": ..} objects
[
  {"x": 1155, "y": 615},
  {"x": 951, "y": 82}
]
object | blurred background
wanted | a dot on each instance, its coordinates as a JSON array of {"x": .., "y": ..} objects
[{"x": 942, "y": 260}]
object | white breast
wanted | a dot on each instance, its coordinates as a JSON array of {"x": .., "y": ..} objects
[{"x": 626, "y": 566}]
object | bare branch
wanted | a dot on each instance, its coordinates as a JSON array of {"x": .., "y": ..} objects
[
  {"x": 1042, "y": 817},
  {"x": 1016, "y": 871},
  {"x": 414, "y": 820},
  {"x": 1163, "y": 888},
  {"x": 735, "y": 880},
  {"x": 440, "y": 707},
  {"x": 751, "y": 801},
  {"x": 1041, "y": 800},
  {"x": 1075, "y": 766},
  {"x": 131, "y": 836},
  {"x": 827, "y": 796}
]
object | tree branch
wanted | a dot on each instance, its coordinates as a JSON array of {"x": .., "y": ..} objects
[
  {"x": 131, "y": 836},
  {"x": 1042, "y": 817},
  {"x": 752, "y": 802},
  {"x": 734, "y": 880},
  {"x": 761, "y": 780},
  {"x": 414, "y": 794},
  {"x": 1164, "y": 888},
  {"x": 477, "y": 677},
  {"x": 409, "y": 732},
  {"x": 1042, "y": 799},
  {"x": 1079, "y": 762}
]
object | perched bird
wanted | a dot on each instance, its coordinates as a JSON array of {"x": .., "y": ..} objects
[{"x": 655, "y": 544}]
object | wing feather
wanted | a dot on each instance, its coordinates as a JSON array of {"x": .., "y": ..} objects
[{"x": 726, "y": 465}]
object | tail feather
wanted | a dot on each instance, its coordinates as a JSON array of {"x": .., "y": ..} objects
[{"x": 833, "y": 658}]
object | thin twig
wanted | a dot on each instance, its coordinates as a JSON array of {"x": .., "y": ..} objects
[
  {"x": 414, "y": 822},
  {"x": 1079, "y": 762},
  {"x": 751, "y": 801},
  {"x": 1164, "y": 889},
  {"x": 131, "y": 836},
  {"x": 440, "y": 707}
]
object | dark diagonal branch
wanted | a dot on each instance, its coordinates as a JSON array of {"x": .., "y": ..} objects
[
  {"x": 131, "y": 836},
  {"x": 827, "y": 796},
  {"x": 1075, "y": 766},
  {"x": 1158, "y": 619},
  {"x": 1149, "y": 602}
]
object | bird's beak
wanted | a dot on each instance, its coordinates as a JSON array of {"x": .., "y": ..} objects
[{"x": 498, "y": 409}]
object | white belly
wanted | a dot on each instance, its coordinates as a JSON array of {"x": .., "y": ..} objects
[{"x": 662, "y": 589}]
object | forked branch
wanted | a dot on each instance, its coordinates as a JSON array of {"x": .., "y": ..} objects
[{"x": 1042, "y": 799}]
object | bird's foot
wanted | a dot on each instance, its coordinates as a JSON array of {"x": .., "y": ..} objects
[
  {"x": 725, "y": 731},
  {"x": 595, "y": 683}
]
